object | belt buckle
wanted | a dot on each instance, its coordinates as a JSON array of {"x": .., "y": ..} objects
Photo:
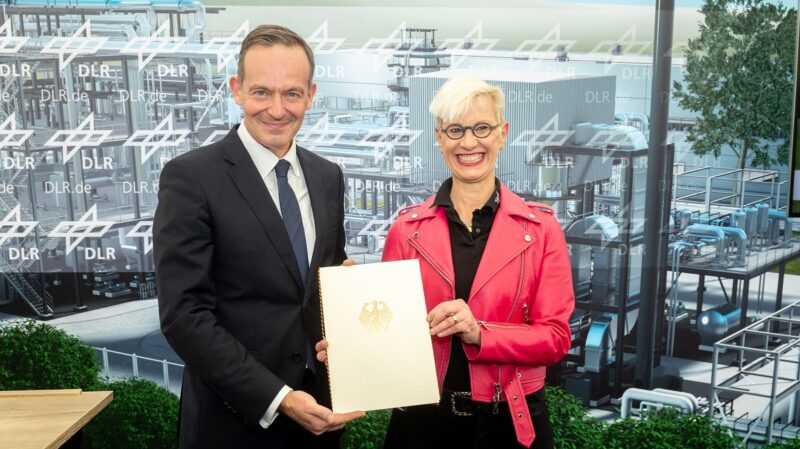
[{"x": 461, "y": 394}]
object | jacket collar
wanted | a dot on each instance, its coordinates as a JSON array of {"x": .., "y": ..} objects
[
  {"x": 264, "y": 158},
  {"x": 510, "y": 236},
  {"x": 510, "y": 204},
  {"x": 442, "y": 197},
  {"x": 431, "y": 237},
  {"x": 245, "y": 176}
]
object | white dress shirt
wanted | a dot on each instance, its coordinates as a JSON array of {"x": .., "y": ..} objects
[{"x": 266, "y": 161}]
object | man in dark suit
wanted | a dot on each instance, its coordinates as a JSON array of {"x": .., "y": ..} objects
[{"x": 241, "y": 227}]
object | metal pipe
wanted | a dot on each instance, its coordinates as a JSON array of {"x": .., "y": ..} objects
[
  {"x": 692, "y": 398},
  {"x": 667, "y": 224},
  {"x": 703, "y": 231},
  {"x": 679, "y": 401},
  {"x": 659, "y": 112},
  {"x": 641, "y": 118},
  {"x": 712, "y": 397},
  {"x": 763, "y": 220},
  {"x": 200, "y": 23},
  {"x": 135, "y": 20},
  {"x": 773, "y": 393},
  {"x": 778, "y": 216},
  {"x": 740, "y": 237}
]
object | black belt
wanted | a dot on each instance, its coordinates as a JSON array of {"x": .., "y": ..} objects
[{"x": 459, "y": 403}]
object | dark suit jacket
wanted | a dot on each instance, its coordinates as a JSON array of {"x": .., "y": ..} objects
[{"x": 230, "y": 296}]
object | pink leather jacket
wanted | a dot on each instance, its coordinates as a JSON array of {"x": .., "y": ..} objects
[{"x": 522, "y": 297}]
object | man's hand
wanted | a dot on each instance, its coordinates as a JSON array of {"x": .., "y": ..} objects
[
  {"x": 302, "y": 408},
  {"x": 455, "y": 318},
  {"x": 322, "y": 350}
]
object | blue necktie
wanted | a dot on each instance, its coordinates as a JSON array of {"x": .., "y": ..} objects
[{"x": 292, "y": 220}]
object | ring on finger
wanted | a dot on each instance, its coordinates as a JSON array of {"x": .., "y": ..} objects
[{"x": 455, "y": 319}]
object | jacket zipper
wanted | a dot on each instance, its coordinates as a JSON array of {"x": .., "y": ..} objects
[
  {"x": 519, "y": 289},
  {"x": 452, "y": 289},
  {"x": 519, "y": 283},
  {"x": 496, "y": 398},
  {"x": 486, "y": 325}
]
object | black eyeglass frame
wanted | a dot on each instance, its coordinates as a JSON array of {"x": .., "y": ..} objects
[{"x": 446, "y": 131}]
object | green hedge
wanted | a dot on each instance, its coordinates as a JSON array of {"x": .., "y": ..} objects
[
  {"x": 668, "y": 429},
  {"x": 142, "y": 415},
  {"x": 37, "y": 356},
  {"x": 573, "y": 428},
  {"x": 791, "y": 444},
  {"x": 367, "y": 432}
]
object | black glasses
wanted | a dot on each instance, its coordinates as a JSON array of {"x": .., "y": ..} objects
[{"x": 479, "y": 130}]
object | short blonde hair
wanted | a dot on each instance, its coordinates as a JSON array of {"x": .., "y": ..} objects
[{"x": 457, "y": 96}]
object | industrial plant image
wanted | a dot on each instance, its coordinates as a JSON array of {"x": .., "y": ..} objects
[{"x": 677, "y": 213}]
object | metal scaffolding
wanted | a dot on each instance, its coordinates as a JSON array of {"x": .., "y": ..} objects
[{"x": 774, "y": 341}]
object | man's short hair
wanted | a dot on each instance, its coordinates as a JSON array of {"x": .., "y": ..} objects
[
  {"x": 271, "y": 35},
  {"x": 457, "y": 96}
]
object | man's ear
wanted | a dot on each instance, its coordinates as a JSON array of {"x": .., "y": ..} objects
[
  {"x": 310, "y": 97},
  {"x": 236, "y": 87}
]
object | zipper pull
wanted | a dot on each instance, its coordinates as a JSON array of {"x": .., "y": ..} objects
[
  {"x": 483, "y": 324},
  {"x": 525, "y": 313},
  {"x": 496, "y": 398}
]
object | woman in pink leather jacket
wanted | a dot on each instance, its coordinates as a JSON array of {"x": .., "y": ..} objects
[{"x": 497, "y": 283}]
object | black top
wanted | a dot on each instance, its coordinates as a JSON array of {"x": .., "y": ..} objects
[{"x": 467, "y": 249}]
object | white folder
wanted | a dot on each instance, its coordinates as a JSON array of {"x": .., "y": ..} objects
[{"x": 380, "y": 353}]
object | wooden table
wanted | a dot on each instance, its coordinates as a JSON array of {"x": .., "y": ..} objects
[{"x": 37, "y": 419}]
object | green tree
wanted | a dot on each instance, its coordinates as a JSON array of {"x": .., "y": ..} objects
[{"x": 739, "y": 79}]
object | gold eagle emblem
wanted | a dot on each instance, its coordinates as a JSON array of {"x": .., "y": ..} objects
[{"x": 375, "y": 316}]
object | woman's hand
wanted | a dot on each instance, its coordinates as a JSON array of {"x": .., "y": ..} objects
[{"x": 455, "y": 318}]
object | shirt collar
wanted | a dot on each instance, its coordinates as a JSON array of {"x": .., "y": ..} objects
[
  {"x": 443, "y": 196},
  {"x": 265, "y": 159}
]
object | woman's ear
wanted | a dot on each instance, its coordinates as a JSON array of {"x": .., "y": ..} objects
[
  {"x": 504, "y": 131},
  {"x": 438, "y": 134}
]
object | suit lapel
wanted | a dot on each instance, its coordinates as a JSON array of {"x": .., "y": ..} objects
[
  {"x": 244, "y": 175},
  {"x": 316, "y": 192}
]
